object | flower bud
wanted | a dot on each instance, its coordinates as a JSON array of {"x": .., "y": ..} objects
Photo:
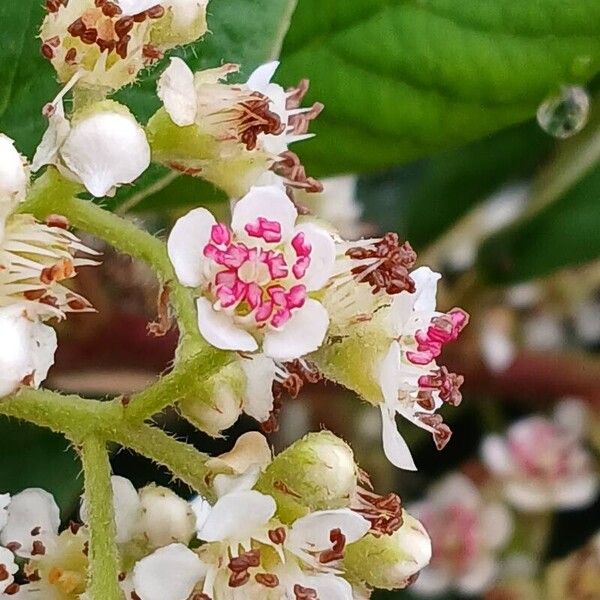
[
  {"x": 215, "y": 404},
  {"x": 389, "y": 561},
  {"x": 184, "y": 22},
  {"x": 14, "y": 175},
  {"x": 317, "y": 472},
  {"x": 166, "y": 518}
]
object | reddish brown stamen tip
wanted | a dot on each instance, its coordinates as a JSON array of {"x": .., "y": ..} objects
[{"x": 290, "y": 168}]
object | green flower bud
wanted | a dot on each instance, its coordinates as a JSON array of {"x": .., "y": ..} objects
[
  {"x": 184, "y": 22},
  {"x": 317, "y": 472},
  {"x": 215, "y": 404},
  {"x": 389, "y": 561}
]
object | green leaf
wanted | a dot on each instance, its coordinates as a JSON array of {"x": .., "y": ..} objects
[
  {"x": 35, "y": 457},
  {"x": 401, "y": 80},
  {"x": 563, "y": 234}
]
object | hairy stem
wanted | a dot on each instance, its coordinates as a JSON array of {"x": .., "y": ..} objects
[
  {"x": 103, "y": 554},
  {"x": 183, "y": 460},
  {"x": 52, "y": 194}
]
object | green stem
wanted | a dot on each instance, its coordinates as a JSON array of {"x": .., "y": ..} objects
[
  {"x": 80, "y": 418},
  {"x": 52, "y": 194},
  {"x": 103, "y": 554},
  {"x": 183, "y": 460}
]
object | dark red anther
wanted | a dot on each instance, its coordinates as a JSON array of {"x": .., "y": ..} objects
[
  {"x": 269, "y": 580},
  {"x": 47, "y": 51},
  {"x": 77, "y": 28},
  {"x": 122, "y": 46},
  {"x": 71, "y": 56},
  {"x": 140, "y": 17},
  {"x": 53, "y": 6},
  {"x": 156, "y": 12},
  {"x": 89, "y": 36},
  {"x": 123, "y": 26},
  {"x": 110, "y": 9}
]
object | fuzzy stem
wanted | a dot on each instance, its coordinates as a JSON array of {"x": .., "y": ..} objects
[
  {"x": 52, "y": 194},
  {"x": 79, "y": 419},
  {"x": 183, "y": 460},
  {"x": 103, "y": 554}
]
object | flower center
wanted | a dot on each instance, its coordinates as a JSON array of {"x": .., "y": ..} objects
[{"x": 261, "y": 282}]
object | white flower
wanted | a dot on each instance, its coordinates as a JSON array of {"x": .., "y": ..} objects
[
  {"x": 27, "y": 349},
  {"x": 107, "y": 43},
  {"x": 102, "y": 148},
  {"x": 170, "y": 573},
  {"x": 412, "y": 384},
  {"x": 542, "y": 465},
  {"x": 255, "y": 279},
  {"x": 32, "y": 524},
  {"x": 14, "y": 177},
  {"x": 466, "y": 536}
]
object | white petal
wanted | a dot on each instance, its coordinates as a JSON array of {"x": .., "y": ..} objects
[
  {"x": 7, "y": 560},
  {"x": 127, "y": 507},
  {"x": 260, "y": 79},
  {"x": 27, "y": 348},
  {"x": 219, "y": 329},
  {"x": 394, "y": 446},
  {"x": 177, "y": 91},
  {"x": 528, "y": 496},
  {"x": 134, "y": 7},
  {"x": 312, "y": 531},
  {"x": 576, "y": 492},
  {"x": 269, "y": 202},
  {"x": 251, "y": 449},
  {"x": 329, "y": 587},
  {"x": 186, "y": 243},
  {"x": 389, "y": 375},
  {"x": 401, "y": 312},
  {"x": 322, "y": 256},
  {"x": 432, "y": 581},
  {"x": 302, "y": 334},
  {"x": 201, "y": 508},
  {"x": 426, "y": 289},
  {"x": 31, "y": 509},
  {"x": 572, "y": 415},
  {"x": 497, "y": 525},
  {"x": 54, "y": 137},
  {"x": 479, "y": 578},
  {"x": 227, "y": 484},
  {"x": 237, "y": 516},
  {"x": 170, "y": 573},
  {"x": 4, "y": 502},
  {"x": 105, "y": 150},
  {"x": 13, "y": 175},
  {"x": 258, "y": 395},
  {"x": 495, "y": 455}
]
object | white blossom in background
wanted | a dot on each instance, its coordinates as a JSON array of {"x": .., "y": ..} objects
[
  {"x": 105, "y": 44},
  {"x": 542, "y": 464},
  {"x": 496, "y": 340},
  {"x": 255, "y": 280},
  {"x": 467, "y": 535},
  {"x": 102, "y": 147}
]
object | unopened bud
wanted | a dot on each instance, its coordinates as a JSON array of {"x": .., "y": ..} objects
[
  {"x": 184, "y": 22},
  {"x": 389, "y": 561},
  {"x": 166, "y": 518},
  {"x": 317, "y": 472},
  {"x": 215, "y": 404}
]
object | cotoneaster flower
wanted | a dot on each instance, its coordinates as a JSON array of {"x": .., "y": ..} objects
[
  {"x": 255, "y": 279},
  {"x": 107, "y": 43},
  {"x": 467, "y": 534},
  {"x": 542, "y": 464},
  {"x": 237, "y": 132}
]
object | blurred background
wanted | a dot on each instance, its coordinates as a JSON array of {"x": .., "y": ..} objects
[{"x": 471, "y": 128}]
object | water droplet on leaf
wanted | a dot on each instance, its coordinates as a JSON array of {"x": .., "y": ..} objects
[{"x": 566, "y": 113}]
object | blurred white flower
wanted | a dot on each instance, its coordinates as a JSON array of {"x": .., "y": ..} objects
[
  {"x": 255, "y": 278},
  {"x": 466, "y": 534},
  {"x": 542, "y": 464}
]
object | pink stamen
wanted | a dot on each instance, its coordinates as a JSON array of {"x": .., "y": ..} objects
[
  {"x": 301, "y": 247},
  {"x": 270, "y": 231},
  {"x": 220, "y": 234},
  {"x": 301, "y": 266}
]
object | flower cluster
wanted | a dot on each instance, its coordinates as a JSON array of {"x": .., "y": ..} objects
[
  {"x": 246, "y": 544},
  {"x": 36, "y": 260}
]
